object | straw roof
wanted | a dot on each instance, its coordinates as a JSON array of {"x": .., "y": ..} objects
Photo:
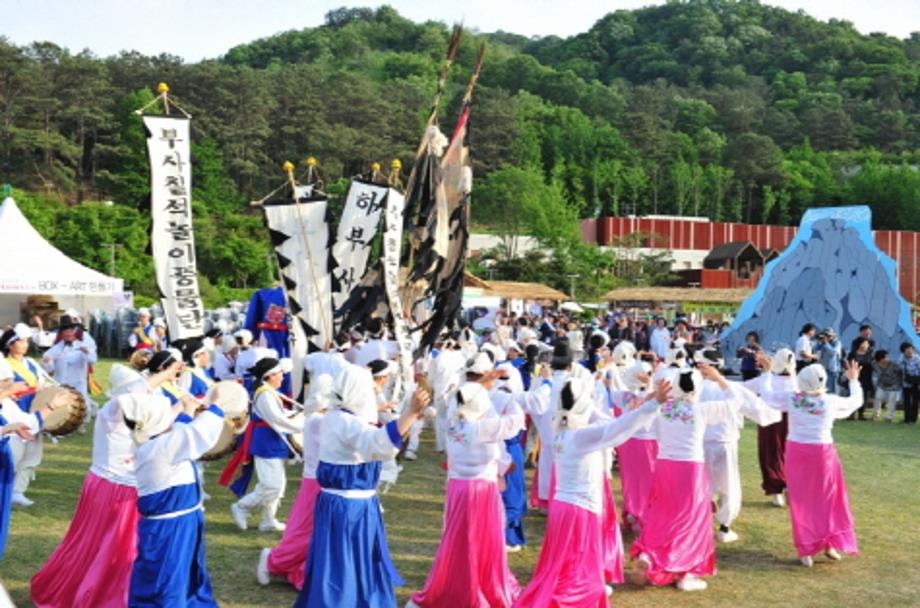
[
  {"x": 471, "y": 280},
  {"x": 678, "y": 294},
  {"x": 525, "y": 291}
]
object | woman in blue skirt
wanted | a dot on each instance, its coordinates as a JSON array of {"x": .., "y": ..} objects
[
  {"x": 349, "y": 563},
  {"x": 170, "y": 566}
]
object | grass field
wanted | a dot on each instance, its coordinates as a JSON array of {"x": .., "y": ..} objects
[{"x": 881, "y": 462}]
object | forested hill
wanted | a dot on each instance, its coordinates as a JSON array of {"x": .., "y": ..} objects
[{"x": 733, "y": 110}]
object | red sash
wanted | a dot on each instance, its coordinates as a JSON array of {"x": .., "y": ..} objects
[
  {"x": 272, "y": 326},
  {"x": 241, "y": 457}
]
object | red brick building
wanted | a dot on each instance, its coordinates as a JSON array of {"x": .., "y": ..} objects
[{"x": 691, "y": 239}]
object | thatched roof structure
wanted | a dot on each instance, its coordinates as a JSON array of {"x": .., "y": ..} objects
[
  {"x": 678, "y": 294},
  {"x": 525, "y": 291}
]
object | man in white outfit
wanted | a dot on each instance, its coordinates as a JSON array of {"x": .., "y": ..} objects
[{"x": 70, "y": 358}]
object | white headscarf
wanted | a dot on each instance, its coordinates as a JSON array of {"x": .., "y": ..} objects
[
  {"x": 353, "y": 390},
  {"x": 813, "y": 380},
  {"x": 151, "y": 415},
  {"x": 693, "y": 377},
  {"x": 784, "y": 362},
  {"x": 473, "y": 402},
  {"x": 122, "y": 378},
  {"x": 624, "y": 353},
  {"x": 320, "y": 394},
  {"x": 576, "y": 401},
  {"x": 632, "y": 383}
]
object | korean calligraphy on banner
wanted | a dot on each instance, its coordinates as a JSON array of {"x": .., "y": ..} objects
[
  {"x": 357, "y": 228},
  {"x": 172, "y": 240},
  {"x": 392, "y": 243}
]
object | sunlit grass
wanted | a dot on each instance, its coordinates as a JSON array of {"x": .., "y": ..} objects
[{"x": 881, "y": 462}]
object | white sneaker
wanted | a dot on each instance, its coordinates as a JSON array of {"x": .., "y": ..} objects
[
  {"x": 727, "y": 537},
  {"x": 807, "y": 561},
  {"x": 262, "y": 568},
  {"x": 19, "y": 499},
  {"x": 410, "y": 455},
  {"x": 271, "y": 526},
  {"x": 608, "y": 589},
  {"x": 832, "y": 553},
  {"x": 779, "y": 500},
  {"x": 239, "y": 516},
  {"x": 691, "y": 583},
  {"x": 513, "y": 548}
]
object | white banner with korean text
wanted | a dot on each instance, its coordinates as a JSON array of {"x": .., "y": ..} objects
[{"x": 171, "y": 237}]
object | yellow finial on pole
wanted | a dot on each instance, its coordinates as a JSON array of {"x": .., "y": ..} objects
[
  {"x": 311, "y": 161},
  {"x": 162, "y": 88},
  {"x": 375, "y": 167},
  {"x": 396, "y": 164},
  {"x": 288, "y": 167}
]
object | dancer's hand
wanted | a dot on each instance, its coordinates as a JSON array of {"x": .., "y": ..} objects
[
  {"x": 853, "y": 369},
  {"x": 662, "y": 391}
]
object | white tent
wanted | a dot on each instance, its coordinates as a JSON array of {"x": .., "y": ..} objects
[{"x": 30, "y": 265}]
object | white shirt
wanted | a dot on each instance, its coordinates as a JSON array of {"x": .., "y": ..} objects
[
  {"x": 14, "y": 414},
  {"x": 749, "y": 406},
  {"x": 579, "y": 456},
  {"x": 320, "y": 363},
  {"x": 267, "y": 406},
  {"x": 475, "y": 447},
  {"x": 811, "y": 418},
  {"x": 349, "y": 440},
  {"x": 680, "y": 426},
  {"x": 311, "y": 435},
  {"x": 375, "y": 349},
  {"x": 621, "y": 399},
  {"x": 113, "y": 448},
  {"x": 69, "y": 365},
  {"x": 169, "y": 459},
  {"x": 803, "y": 345},
  {"x": 245, "y": 360},
  {"x": 660, "y": 341},
  {"x": 444, "y": 376},
  {"x": 539, "y": 405},
  {"x": 224, "y": 367}
]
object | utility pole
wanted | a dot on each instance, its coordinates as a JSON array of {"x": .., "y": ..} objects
[{"x": 572, "y": 278}]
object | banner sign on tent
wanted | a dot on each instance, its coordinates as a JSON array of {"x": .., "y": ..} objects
[{"x": 171, "y": 238}]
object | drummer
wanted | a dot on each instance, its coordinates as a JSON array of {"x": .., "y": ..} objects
[
  {"x": 142, "y": 336},
  {"x": 170, "y": 362},
  {"x": 196, "y": 378},
  {"x": 26, "y": 454},
  {"x": 69, "y": 360},
  {"x": 160, "y": 335},
  {"x": 265, "y": 442},
  {"x": 224, "y": 360}
]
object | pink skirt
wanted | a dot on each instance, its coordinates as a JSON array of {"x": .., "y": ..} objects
[
  {"x": 818, "y": 504},
  {"x": 637, "y": 465},
  {"x": 92, "y": 565},
  {"x": 677, "y": 530},
  {"x": 570, "y": 569},
  {"x": 611, "y": 539},
  {"x": 470, "y": 569},
  {"x": 535, "y": 501},
  {"x": 288, "y": 559}
]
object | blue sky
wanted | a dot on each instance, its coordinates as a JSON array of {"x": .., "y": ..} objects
[{"x": 196, "y": 29}]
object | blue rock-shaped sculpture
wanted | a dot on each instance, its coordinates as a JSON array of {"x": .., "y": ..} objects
[{"x": 832, "y": 275}]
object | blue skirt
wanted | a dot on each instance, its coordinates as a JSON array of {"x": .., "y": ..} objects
[
  {"x": 348, "y": 565},
  {"x": 515, "y": 495},
  {"x": 7, "y": 475},
  {"x": 170, "y": 568}
]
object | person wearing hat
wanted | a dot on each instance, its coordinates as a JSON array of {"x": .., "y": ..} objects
[
  {"x": 570, "y": 569},
  {"x": 349, "y": 564},
  {"x": 265, "y": 443},
  {"x": 676, "y": 543},
  {"x": 27, "y": 455},
  {"x": 818, "y": 504},
  {"x": 246, "y": 357},
  {"x": 160, "y": 334},
  {"x": 287, "y": 560},
  {"x": 70, "y": 359},
  {"x": 224, "y": 360},
  {"x": 267, "y": 317},
  {"x": 102, "y": 534},
  {"x": 471, "y": 566},
  {"x": 143, "y": 335},
  {"x": 771, "y": 439},
  {"x": 830, "y": 353},
  {"x": 170, "y": 568}
]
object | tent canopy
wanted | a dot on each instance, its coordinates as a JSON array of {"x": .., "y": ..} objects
[{"x": 32, "y": 265}]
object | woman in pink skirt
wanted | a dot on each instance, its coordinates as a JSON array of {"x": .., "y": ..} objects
[
  {"x": 817, "y": 491},
  {"x": 288, "y": 559},
  {"x": 676, "y": 543},
  {"x": 570, "y": 569},
  {"x": 470, "y": 569},
  {"x": 637, "y": 456},
  {"x": 92, "y": 565}
]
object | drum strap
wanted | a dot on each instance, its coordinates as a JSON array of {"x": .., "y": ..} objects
[
  {"x": 172, "y": 390},
  {"x": 142, "y": 336},
  {"x": 24, "y": 370}
]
